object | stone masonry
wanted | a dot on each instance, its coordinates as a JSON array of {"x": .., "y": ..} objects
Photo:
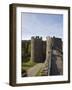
[{"x": 49, "y": 52}]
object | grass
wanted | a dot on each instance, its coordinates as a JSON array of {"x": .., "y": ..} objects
[{"x": 27, "y": 65}]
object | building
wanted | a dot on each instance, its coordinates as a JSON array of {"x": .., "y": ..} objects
[{"x": 50, "y": 52}]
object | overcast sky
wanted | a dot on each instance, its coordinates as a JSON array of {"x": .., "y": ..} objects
[{"x": 36, "y": 24}]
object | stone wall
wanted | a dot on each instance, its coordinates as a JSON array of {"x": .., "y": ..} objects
[
  {"x": 37, "y": 49},
  {"x": 48, "y": 52},
  {"x": 56, "y": 57}
]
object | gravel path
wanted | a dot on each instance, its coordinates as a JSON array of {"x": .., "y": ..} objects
[{"x": 33, "y": 71}]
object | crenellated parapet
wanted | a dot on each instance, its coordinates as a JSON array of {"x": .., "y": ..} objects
[
  {"x": 36, "y": 49},
  {"x": 36, "y": 38},
  {"x": 49, "y": 52}
]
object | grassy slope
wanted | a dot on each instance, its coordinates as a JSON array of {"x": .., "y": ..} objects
[{"x": 27, "y": 65}]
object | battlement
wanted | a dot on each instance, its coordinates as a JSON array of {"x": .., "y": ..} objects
[
  {"x": 59, "y": 39},
  {"x": 36, "y": 37},
  {"x": 49, "y": 52},
  {"x": 48, "y": 37}
]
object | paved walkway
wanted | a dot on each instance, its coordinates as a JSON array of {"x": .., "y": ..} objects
[{"x": 33, "y": 71}]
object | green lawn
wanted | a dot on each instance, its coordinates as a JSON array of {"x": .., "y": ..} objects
[{"x": 27, "y": 65}]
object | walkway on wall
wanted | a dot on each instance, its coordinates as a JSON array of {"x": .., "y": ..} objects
[{"x": 33, "y": 71}]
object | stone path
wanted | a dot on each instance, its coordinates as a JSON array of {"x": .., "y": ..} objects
[{"x": 33, "y": 71}]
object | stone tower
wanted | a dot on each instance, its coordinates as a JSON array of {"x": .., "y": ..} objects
[
  {"x": 48, "y": 46},
  {"x": 36, "y": 49},
  {"x": 48, "y": 53}
]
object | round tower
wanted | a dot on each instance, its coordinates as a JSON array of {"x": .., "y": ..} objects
[
  {"x": 48, "y": 53},
  {"x": 36, "y": 49},
  {"x": 48, "y": 46},
  {"x": 32, "y": 48}
]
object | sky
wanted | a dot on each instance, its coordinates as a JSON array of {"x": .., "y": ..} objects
[{"x": 40, "y": 24}]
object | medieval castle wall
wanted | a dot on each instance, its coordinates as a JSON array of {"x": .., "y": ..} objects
[
  {"x": 56, "y": 57},
  {"x": 37, "y": 49},
  {"x": 50, "y": 52},
  {"x": 47, "y": 51}
]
